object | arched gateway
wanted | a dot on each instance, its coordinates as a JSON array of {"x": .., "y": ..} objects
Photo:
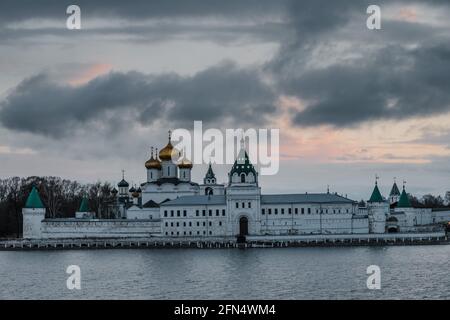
[{"x": 243, "y": 226}]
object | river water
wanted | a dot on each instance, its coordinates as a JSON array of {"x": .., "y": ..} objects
[{"x": 412, "y": 272}]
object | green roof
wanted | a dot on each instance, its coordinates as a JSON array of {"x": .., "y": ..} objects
[
  {"x": 34, "y": 201},
  {"x": 242, "y": 164},
  {"x": 376, "y": 195},
  {"x": 210, "y": 173},
  {"x": 84, "y": 206},
  {"x": 404, "y": 202},
  {"x": 394, "y": 190}
]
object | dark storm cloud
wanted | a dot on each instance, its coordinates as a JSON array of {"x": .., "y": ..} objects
[
  {"x": 224, "y": 92},
  {"x": 389, "y": 81},
  {"x": 396, "y": 83},
  {"x": 13, "y": 10}
]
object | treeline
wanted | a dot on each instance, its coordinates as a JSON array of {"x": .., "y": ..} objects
[{"x": 61, "y": 197}]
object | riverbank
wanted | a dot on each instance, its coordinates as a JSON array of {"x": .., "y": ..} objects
[{"x": 230, "y": 242}]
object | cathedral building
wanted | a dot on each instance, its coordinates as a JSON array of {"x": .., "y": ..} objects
[{"x": 169, "y": 204}]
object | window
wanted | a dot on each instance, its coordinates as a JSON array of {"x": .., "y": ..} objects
[
  {"x": 249, "y": 204},
  {"x": 165, "y": 213},
  {"x": 190, "y": 233},
  {"x": 263, "y": 211},
  {"x": 243, "y": 204},
  {"x": 237, "y": 205},
  {"x": 190, "y": 224},
  {"x": 242, "y": 177},
  {"x": 198, "y": 232},
  {"x": 220, "y": 223},
  {"x": 204, "y": 212},
  {"x": 303, "y": 210},
  {"x": 184, "y": 213},
  {"x": 217, "y": 212},
  {"x": 184, "y": 224},
  {"x": 276, "y": 211},
  {"x": 290, "y": 210},
  {"x": 197, "y": 213},
  {"x": 309, "y": 210},
  {"x": 282, "y": 210},
  {"x": 210, "y": 223},
  {"x": 223, "y": 212},
  {"x": 210, "y": 213},
  {"x": 204, "y": 223},
  {"x": 178, "y": 224},
  {"x": 178, "y": 213},
  {"x": 270, "y": 211},
  {"x": 171, "y": 213},
  {"x": 210, "y": 232},
  {"x": 167, "y": 224},
  {"x": 198, "y": 224},
  {"x": 171, "y": 224}
]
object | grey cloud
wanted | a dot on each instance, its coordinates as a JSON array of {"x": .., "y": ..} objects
[
  {"x": 396, "y": 83},
  {"x": 218, "y": 94}
]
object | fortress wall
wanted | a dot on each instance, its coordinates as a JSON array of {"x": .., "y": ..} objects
[{"x": 98, "y": 228}]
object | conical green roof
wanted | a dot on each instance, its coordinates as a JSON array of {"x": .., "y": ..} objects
[
  {"x": 34, "y": 201},
  {"x": 84, "y": 206},
  {"x": 394, "y": 190},
  {"x": 242, "y": 164},
  {"x": 376, "y": 195},
  {"x": 404, "y": 202},
  {"x": 210, "y": 173}
]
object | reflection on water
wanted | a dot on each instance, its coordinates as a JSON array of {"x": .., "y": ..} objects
[{"x": 283, "y": 273}]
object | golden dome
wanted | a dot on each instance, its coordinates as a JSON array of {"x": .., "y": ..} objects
[
  {"x": 153, "y": 163},
  {"x": 185, "y": 164},
  {"x": 169, "y": 153}
]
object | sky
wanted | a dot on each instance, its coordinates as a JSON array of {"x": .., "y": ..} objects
[{"x": 351, "y": 103}]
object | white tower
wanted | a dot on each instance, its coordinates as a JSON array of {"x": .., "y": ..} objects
[
  {"x": 33, "y": 214},
  {"x": 210, "y": 185},
  {"x": 243, "y": 196},
  {"x": 378, "y": 209}
]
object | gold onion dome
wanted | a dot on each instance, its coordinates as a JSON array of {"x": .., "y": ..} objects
[
  {"x": 185, "y": 164},
  {"x": 153, "y": 163},
  {"x": 169, "y": 152}
]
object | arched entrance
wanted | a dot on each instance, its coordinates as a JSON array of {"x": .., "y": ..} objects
[{"x": 243, "y": 226}]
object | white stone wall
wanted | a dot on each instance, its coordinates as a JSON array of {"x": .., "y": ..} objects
[
  {"x": 136, "y": 213},
  {"x": 101, "y": 228},
  {"x": 206, "y": 220},
  {"x": 440, "y": 216}
]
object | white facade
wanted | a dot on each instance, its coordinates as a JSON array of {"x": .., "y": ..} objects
[{"x": 169, "y": 204}]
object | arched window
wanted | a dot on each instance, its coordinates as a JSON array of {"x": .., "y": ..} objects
[
  {"x": 242, "y": 177},
  {"x": 208, "y": 191}
]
